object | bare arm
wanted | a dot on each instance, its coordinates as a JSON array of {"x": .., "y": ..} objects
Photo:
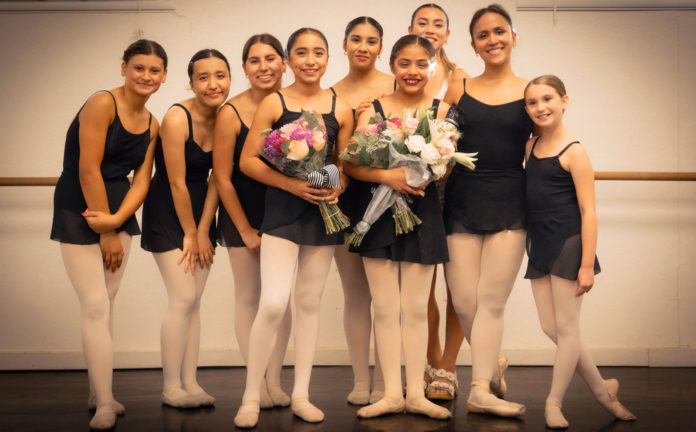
[
  {"x": 583, "y": 177},
  {"x": 251, "y": 164},
  {"x": 95, "y": 118},
  {"x": 206, "y": 249},
  {"x": 227, "y": 127},
  {"x": 174, "y": 133},
  {"x": 455, "y": 87},
  {"x": 344, "y": 116}
]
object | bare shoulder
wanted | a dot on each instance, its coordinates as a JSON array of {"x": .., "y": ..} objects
[
  {"x": 100, "y": 105},
  {"x": 442, "y": 109},
  {"x": 175, "y": 120},
  {"x": 458, "y": 75},
  {"x": 154, "y": 127}
]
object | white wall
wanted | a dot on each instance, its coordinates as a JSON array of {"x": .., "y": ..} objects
[{"x": 630, "y": 79}]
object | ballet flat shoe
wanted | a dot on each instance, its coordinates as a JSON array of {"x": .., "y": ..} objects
[
  {"x": 616, "y": 408},
  {"x": 104, "y": 419},
  {"x": 499, "y": 388},
  {"x": 506, "y": 409},
  {"x": 187, "y": 401},
  {"x": 118, "y": 407}
]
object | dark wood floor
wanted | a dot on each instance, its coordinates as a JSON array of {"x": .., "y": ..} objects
[{"x": 664, "y": 399}]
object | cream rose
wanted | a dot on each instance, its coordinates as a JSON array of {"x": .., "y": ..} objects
[
  {"x": 298, "y": 150},
  {"x": 319, "y": 141},
  {"x": 415, "y": 143}
]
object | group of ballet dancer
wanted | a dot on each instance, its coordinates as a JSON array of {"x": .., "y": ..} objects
[{"x": 476, "y": 223}]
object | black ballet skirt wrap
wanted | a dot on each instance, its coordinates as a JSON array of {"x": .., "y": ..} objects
[
  {"x": 289, "y": 216},
  {"x": 251, "y": 194},
  {"x": 162, "y": 231},
  {"x": 123, "y": 152},
  {"x": 554, "y": 224},
  {"x": 491, "y": 197},
  {"x": 426, "y": 244}
]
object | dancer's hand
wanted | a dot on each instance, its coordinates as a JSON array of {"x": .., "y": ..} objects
[
  {"x": 189, "y": 255},
  {"x": 111, "y": 249},
  {"x": 585, "y": 280},
  {"x": 101, "y": 222},
  {"x": 302, "y": 189},
  {"x": 395, "y": 178},
  {"x": 206, "y": 249},
  {"x": 367, "y": 103},
  {"x": 251, "y": 239},
  {"x": 332, "y": 196}
]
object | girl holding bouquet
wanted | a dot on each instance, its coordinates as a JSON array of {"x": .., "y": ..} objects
[
  {"x": 431, "y": 21},
  {"x": 243, "y": 198},
  {"x": 362, "y": 45},
  {"x": 484, "y": 208},
  {"x": 399, "y": 268},
  {"x": 293, "y": 233},
  {"x": 561, "y": 244},
  {"x": 178, "y": 222},
  {"x": 112, "y": 135}
]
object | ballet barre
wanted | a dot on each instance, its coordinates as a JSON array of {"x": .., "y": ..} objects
[{"x": 599, "y": 175}]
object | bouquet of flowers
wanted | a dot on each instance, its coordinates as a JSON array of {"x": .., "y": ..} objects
[
  {"x": 423, "y": 146},
  {"x": 298, "y": 149}
]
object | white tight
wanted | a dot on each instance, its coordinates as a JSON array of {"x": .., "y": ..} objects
[
  {"x": 357, "y": 314},
  {"x": 96, "y": 289},
  {"x": 181, "y": 327},
  {"x": 480, "y": 276},
  {"x": 559, "y": 315},
  {"x": 247, "y": 291},
  {"x": 400, "y": 292},
  {"x": 278, "y": 260}
]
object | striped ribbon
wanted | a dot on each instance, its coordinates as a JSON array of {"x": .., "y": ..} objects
[{"x": 327, "y": 177}]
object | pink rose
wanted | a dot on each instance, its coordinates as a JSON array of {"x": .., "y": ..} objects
[{"x": 411, "y": 125}]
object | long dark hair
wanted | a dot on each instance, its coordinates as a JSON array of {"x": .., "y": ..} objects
[{"x": 447, "y": 62}]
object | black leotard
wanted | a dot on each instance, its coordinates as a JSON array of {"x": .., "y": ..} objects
[
  {"x": 289, "y": 216},
  {"x": 161, "y": 227},
  {"x": 251, "y": 194},
  {"x": 554, "y": 224},
  {"x": 491, "y": 197},
  {"x": 123, "y": 152},
  {"x": 426, "y": 244}
]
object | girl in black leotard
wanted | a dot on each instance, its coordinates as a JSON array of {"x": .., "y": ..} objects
[
  {"x": 484, "y": 208},
  {"x": 242, "y": 204},
  {"x": 178, "y": 222},
  {"x": 399, "y": 268},
  {"x": 293, "y": 233},
  {"x": 362, "y": 45},
  {"x": 561, "y": 244},
  {"x": 112, "y": 135},
  {"x": 431, "y": 21}
]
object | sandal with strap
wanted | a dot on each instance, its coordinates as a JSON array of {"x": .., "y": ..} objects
[{"x": 443, "y": 386}]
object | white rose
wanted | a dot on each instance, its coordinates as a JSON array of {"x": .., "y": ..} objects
[
  {"x": 446, "y": 149},
  {"x": 430, "y": 154},
  {"x": 438, "y": 170},
  {"x": 415, "y": 143}
]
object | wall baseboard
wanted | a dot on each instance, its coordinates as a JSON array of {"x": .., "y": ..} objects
[{"x": 604, "y": 356}]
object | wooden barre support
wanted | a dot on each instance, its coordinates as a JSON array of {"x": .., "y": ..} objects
[
  {"x": 599, "y": 175},
  {"x": 645, "y": 175}
]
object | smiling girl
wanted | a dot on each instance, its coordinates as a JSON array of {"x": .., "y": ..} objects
[
  {"x": 484, "y": 208},
  {"x": 112, "y": 135},
  {"x": 178, "y": 222},
  {"x": 561, "y": 244},
  {"x": 362, "y": 45},
  {"x": 292, "y": 230},
  {"x": 399, "y": 268},
  {"x": 242, "y": 208}
]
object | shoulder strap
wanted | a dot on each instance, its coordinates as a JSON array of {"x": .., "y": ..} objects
[
  {"x": 378, "y": 108},
  {"x": 114, "y": 98},
  {"x": 333, "y": 104},
  {"x": 333, "y": 91},
  {"x": 235, "y": 110},
  {"x": 464, "y": 86},
  {"x": 282, "y": 100},
  {"x": 566, "y": 147},
  {"x": 436, "y": 105},
  {"x": 149, "y": 121},
  {"x": 534, "y": 144},
  {"x": 188, "y": 117},
  {"x": 394, "y": 84}
]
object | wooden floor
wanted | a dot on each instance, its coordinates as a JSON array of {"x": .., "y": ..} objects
[{"x": 664, "y": 399}]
